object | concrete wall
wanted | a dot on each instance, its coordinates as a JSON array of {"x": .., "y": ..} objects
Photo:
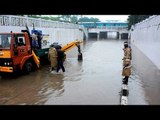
[
  {"x": 55, "y": 31},
  {"x": 145, "y": 42},
  {"x": 146, "y": 37}
]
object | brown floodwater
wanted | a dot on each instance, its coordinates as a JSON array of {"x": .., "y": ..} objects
[{"x": 96, "y": 80}]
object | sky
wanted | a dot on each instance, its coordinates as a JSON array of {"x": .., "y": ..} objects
[{"x": 103, "y": 18}]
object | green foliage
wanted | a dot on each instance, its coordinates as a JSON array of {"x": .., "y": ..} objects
[
  {"x": 74, "y": 19},
  {"x": 133, "y": 19},
  {"x": 67, "y": 18},
  {"x": 45, "y": 17},
  {"x": 86, "y": 19}
]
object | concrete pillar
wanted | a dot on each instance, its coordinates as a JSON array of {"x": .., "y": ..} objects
[
  {"x": 106, "y": 34},
  {"x": 98, "y": 35},
  {"x": 119, "y": 36}
]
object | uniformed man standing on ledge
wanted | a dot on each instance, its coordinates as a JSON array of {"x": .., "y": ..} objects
[{"x": 126, "y": 72}]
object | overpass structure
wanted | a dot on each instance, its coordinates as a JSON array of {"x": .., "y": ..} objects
[
  {"x": 106, "y": 30},
  {"x": 108, "y": 33}
]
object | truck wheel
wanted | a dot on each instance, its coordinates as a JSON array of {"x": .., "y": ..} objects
[{"x": 28, "y": 67}]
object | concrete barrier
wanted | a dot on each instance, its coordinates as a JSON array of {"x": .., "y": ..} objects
[{"x": 124, "y": 94}]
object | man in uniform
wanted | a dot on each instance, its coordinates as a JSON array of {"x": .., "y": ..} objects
[
  {"x": 126, "y": 72},
  {"x": 35, "y": 41},
  {"x": 52, "y": 56},
  {"x": 127, "y": 53},
  {"x": 60, "y": 59}
]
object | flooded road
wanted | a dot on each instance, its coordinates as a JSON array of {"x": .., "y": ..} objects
[{"x": 96, "y": 80}]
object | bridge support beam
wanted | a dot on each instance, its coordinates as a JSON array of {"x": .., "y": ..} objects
[
  {"x": 119, "y": 36},
  {"x": 97, "y": 35}
]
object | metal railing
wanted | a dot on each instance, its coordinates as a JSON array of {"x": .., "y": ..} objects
[{"x": 11, "y": 20}]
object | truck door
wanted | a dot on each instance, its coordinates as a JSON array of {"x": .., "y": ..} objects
[{"x": 20, "y": 49}]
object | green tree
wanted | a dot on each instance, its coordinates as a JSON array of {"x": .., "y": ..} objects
[
  {"x": 86, "y": 19},
  {"x": 65, "y": 18},
  {"x": 74, "y": 18},
  {"x": 133, "y": 19}
]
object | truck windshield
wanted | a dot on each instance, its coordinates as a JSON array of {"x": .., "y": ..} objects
[{"x": 5, "y": 41}]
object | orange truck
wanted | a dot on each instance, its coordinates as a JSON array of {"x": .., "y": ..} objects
[{"x": 16, "y": 52}]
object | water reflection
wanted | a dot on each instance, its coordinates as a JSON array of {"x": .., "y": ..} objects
[
  {"x": 53, "y": 87},
  {"x": 137, "y": 94},
  {"x": 95, "y": 80},
  {"x": 35, "y": 88}
]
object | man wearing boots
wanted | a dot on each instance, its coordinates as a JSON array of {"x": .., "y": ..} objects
[
  {"x": 60, "y": 59},
  {"x": 126, "y": 72}
]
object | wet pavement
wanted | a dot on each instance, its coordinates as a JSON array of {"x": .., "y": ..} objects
[
  {"x": 96, "y": 80},
  {"x": 149, "y": 74}
]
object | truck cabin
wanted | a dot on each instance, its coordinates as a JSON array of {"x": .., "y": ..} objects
[{"x": 5, "y": 41}]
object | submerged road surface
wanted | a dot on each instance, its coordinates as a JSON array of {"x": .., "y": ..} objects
[{"x": 96, "y": 80}]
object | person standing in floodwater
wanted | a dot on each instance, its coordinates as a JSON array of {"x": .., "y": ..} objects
[
  {"x": 60, "y": 60},
  {"x": 52, "y": 56},
  {"x": 127, "y": 52}
]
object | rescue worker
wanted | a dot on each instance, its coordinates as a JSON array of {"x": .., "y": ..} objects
[
  {"x": 39, "y": 39},
  {"x": 52, "y": 56},
  {"x": 79, "y": 51},
  {"x": 35, "y": 41},
  {"x": 60, "y": 59},
  {"x": 126, "y": 43},
  {"x": 127, "y": 53},
  {"x": 126, "y": 72},
  {"x": 79, "y": 47}
]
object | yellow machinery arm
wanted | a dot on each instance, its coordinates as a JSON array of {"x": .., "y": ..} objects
[
  {"x": 36, "y": 59},
  {"x": 71, "y": 45},
  {"x": 64, "y": 48}
]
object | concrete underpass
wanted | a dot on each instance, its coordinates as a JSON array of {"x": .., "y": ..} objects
[
  {"x": 108, "y": 35},
  {"x": 96, "y": 80}
]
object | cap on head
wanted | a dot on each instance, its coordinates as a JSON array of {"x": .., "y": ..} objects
[
  {"x": 52, "y": 45},
  {"x": 125, "y": 45}
]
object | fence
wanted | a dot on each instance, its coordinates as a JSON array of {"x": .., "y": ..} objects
[{"x": 10, "y": 20}]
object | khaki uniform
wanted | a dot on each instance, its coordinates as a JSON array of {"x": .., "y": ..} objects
[
  {"x": 127, "y": 68},
  {"x": 127, "y": 53},
  {"x": 52, "y": 56}
]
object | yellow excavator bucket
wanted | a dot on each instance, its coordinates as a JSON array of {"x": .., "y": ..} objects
[
  {"x": 70, "y": 45},
  {"x": 36, "y": 59}
]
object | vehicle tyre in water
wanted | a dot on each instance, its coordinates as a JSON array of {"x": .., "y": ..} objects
[{"x": 28, "y": 67}]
